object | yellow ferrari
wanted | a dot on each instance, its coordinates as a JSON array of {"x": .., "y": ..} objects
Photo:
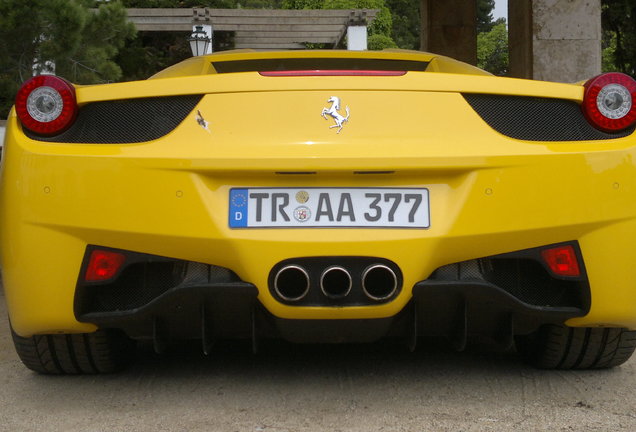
[{"x": 320, "y": 196}]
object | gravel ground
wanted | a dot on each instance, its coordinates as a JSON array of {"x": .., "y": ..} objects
[{"x": 308, "y": 388}]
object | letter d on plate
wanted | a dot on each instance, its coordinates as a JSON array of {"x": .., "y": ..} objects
[{"x": 238, "y": 208}]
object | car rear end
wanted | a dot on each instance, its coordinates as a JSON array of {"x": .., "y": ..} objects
[{"x": 324, "y": 197}]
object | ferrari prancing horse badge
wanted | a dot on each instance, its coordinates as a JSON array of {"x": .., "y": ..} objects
[{"x": 333, "y": 112}]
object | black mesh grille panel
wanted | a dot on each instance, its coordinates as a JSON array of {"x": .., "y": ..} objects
[
  {"x": 530, "y": 283},
  {"x": 138, "y": 285},
  {"x": 126, "y": 121},
  {"x": 537, "y": 119}
]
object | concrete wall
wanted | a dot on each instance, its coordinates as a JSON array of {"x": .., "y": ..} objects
[{"x": 555, "y": 40}]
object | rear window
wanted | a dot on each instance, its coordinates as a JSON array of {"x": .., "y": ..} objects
[{"x": 295, "y": 64}]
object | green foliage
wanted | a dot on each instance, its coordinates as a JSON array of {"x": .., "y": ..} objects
[
  {"x": 8, "y": 89},
  {"x": 151, "y": 52},
  {"x": 492, "y": 49},
  {"x": 378, "y": 42},
  {"x": 81, "y": 43},
  {"x": 405, "y": 15},
  {"x": 619, "y": 35},
  {"x": 609, "y": 52},
  {"x": 492, "y": 39},
  {"x": 302, "y": 4},
  {"x": 216, "y": 4},
  {"x": 103, "y": 35},
  {"x": 259, "y": 4}
]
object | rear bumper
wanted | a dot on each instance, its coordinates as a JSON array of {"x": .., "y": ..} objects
[
  {"x": 196, "y": 308},
  {"x": 497, "y": 297}
]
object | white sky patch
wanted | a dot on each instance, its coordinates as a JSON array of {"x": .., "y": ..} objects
[{"x": 501, "y": 9}]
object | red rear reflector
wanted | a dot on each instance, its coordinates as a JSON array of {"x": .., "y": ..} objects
[
  {"x": 103, "y": 265},
  {"x": 562, "y": 261},
  {"x": 292, "y": 73}
]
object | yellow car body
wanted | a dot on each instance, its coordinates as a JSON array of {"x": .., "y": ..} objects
[{"x": 488, "y": 194}]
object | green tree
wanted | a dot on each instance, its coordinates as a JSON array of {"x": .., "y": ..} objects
[
  {"x": 79, "y": 42},
  {"x": 405, "y": 15},
  {"x": 492, "y": 49},
  {"x": 608, "y": 45},
  {"x": 151, "y": 52},
  {"x": 619, "y": 35},
  {"x": 485, "y": 21},
  {"x": 102, "y": 36}
]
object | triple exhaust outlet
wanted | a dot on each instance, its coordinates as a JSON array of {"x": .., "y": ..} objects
[{"x": 292, "y": 283}]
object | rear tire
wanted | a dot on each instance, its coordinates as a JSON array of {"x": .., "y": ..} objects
[
  {"x": 104, "y": 351},
  {"x": 561, "y": 347}
]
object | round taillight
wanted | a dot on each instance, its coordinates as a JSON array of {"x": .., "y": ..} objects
[
  {"x": 608, "y": 102},
  {"x": 46, "y": 105}
]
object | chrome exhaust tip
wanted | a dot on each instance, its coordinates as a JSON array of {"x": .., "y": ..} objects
[
  {"x": 335, "y": 282},
  {"x": 291, "y": 283},
  {"x": 379, "y": 282}
]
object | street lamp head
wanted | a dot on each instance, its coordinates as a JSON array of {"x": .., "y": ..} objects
[{"x": 199, "y": 41}]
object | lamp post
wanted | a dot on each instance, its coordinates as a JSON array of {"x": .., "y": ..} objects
[{"x": 199, "y": 41}]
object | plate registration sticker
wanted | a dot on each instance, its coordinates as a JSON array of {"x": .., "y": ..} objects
[{"x": 329, "y": 208}]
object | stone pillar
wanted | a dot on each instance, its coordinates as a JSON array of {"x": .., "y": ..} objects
[
  {"x": 555, "y": 40},
  {"x": 449, "y": 27}
]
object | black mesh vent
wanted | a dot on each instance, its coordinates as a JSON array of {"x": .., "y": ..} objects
[
  {"x": 537, "y": 119},
  {"x": 126, "y": 121},
  {"x": 138, "y": 285},
  {"x": 528, "y": 281}
]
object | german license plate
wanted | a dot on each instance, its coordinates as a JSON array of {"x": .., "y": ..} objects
[{"x": 329, "y": 208}]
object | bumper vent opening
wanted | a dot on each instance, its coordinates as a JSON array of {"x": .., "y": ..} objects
[
  {"x": 525, "y": 276},
  {"x": 143, "y": 279}
]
